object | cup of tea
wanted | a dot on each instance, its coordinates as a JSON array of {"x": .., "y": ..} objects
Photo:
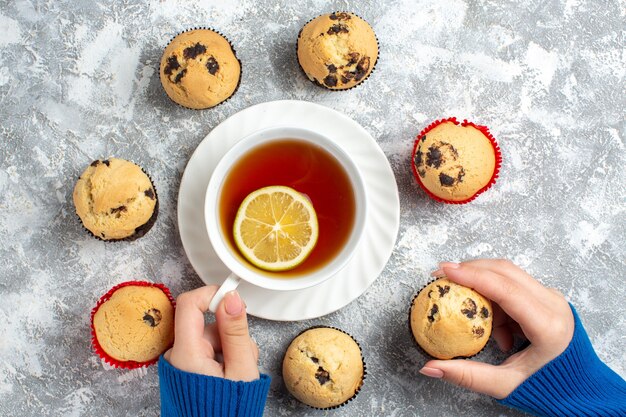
[{"x": 314, "y": 166}]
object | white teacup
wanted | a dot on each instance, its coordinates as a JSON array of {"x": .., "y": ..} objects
[{"x": 240, "y": 268}]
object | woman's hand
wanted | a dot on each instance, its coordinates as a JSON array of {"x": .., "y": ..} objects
[
  {"x": 522, "y": 306},
  {"x": 198, "y": 347}
]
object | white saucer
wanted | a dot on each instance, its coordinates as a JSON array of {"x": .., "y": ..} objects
[{"x": 381, "y": 225}]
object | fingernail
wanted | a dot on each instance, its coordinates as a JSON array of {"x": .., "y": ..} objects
[
  {"x": 432, "y": 372},
  {"x": 437, "y": 273},
  {"x": 232, "y": 303},
  {"x": 450, "y": 265}
]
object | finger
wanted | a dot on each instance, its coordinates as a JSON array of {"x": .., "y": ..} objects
[
  {"x": 189, "y": 317},
  {"x": 509, "y": 269},
  {"x": 475, "y": 376},
  {"x": 516, "y": 300},
  {"x": 505, "y": 329},
  {"x": 255, "y": 350},
  {"x": 515, "y": 329},
  {"x": 499, "y": 316},
  {"x": 212, "y": 336},
  {"x": 503, "y": 337},
  {"x": 557, "y": 293},
  {"x": 232, "y": 324}
]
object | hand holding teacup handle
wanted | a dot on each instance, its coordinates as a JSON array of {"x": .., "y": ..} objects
[{"x": 230, "y": 284}]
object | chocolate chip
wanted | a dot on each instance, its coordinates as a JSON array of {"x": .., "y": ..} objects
[
  {"x": 149, "y": 193},
  {"x": 461, "y": 174},
  {"x": 338, "y": 28},
  {"x": 118, "y": 210},
  {"x": 172, "y": 64},
  {"x": 478, "y": 331},
  {"x": 102, "y": 235},
  {"x": 424, "y": 138},
  {"x": 347, "y": 76},
  {"x": 354, "y": 58},
  {"x": 484, "y": 312},
  {"x": 322, "y": 375},
  {"x": 339, "y": 16},
  {"x": 434, "y": 158},
  {"x": 193, "y": 51},
  {"x": 314, "y": 359},
  {"x": 330, "y": 80},
  {"x": 419, "y": 158},
  {"x": 469, "y": 308},
  {"x": 152, "y": 317},
  {"x": 429, "y": 293},
  {"x": 180, "y": 75},
  {"x": 95, "y": 163},
  {"x": 362, "y": 68},
  {"x": 450, "y": 150},
  {"x": 212, "y": 65},
  {"x": 439, "y": 152},
  {"x": 446, "y": 180},
  {"x": 443, "y": 290},
  {"x": 331, "y": 68},
  {"x": 434, "y": 310}
]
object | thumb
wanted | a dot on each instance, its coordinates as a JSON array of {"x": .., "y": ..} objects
[
  {"x": 232, "y": 324},
  {"x": 492, "y": 380}
]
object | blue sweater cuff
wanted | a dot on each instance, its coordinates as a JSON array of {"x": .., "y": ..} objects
[
  {"x": 575, "y": 383},
  {"x": 185, "y": 394}
]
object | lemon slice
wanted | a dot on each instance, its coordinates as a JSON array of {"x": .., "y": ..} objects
[{"x": 276, "y": 228}]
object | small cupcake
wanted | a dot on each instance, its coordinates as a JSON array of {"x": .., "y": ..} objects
[
  {"x": 449, "y": 320},
  {"x": 133, "y": 324},
  {"x": 337, "y": 50},
  {"x": 199, "y": 69},
  {"x": 115, "y": 200},
  {"x": 455, "y": 162},
  {"x": 323, "y": 368}
]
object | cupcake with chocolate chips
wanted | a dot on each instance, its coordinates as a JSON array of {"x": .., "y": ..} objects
[
  {"x": 199, "y": 69},
  {"x": 133, "y": 324},
  {"x": 455, "y": 162},
  {"x": 115, "y": 200},
  {"x": 337, "y": 50},
  {"x": 449, "y": 320},
  {"x": 323, "y": 368}
]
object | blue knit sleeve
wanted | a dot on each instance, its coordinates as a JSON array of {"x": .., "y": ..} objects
[
  {"x": 185, "y": 394},
  {"x": 575, "y": 383}
]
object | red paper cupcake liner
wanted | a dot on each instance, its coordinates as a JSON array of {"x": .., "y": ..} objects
[
  {"x": 485, "y": 131},
  {"x": 94, "y": 340}
]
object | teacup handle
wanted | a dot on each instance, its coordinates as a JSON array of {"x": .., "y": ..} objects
[{"x": 230, "y": 284}]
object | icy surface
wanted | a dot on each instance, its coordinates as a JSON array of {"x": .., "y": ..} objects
[{"x": 79, "y": 81}]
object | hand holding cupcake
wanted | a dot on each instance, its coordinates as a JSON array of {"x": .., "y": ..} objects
[{"x": 525, "y": 307}]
